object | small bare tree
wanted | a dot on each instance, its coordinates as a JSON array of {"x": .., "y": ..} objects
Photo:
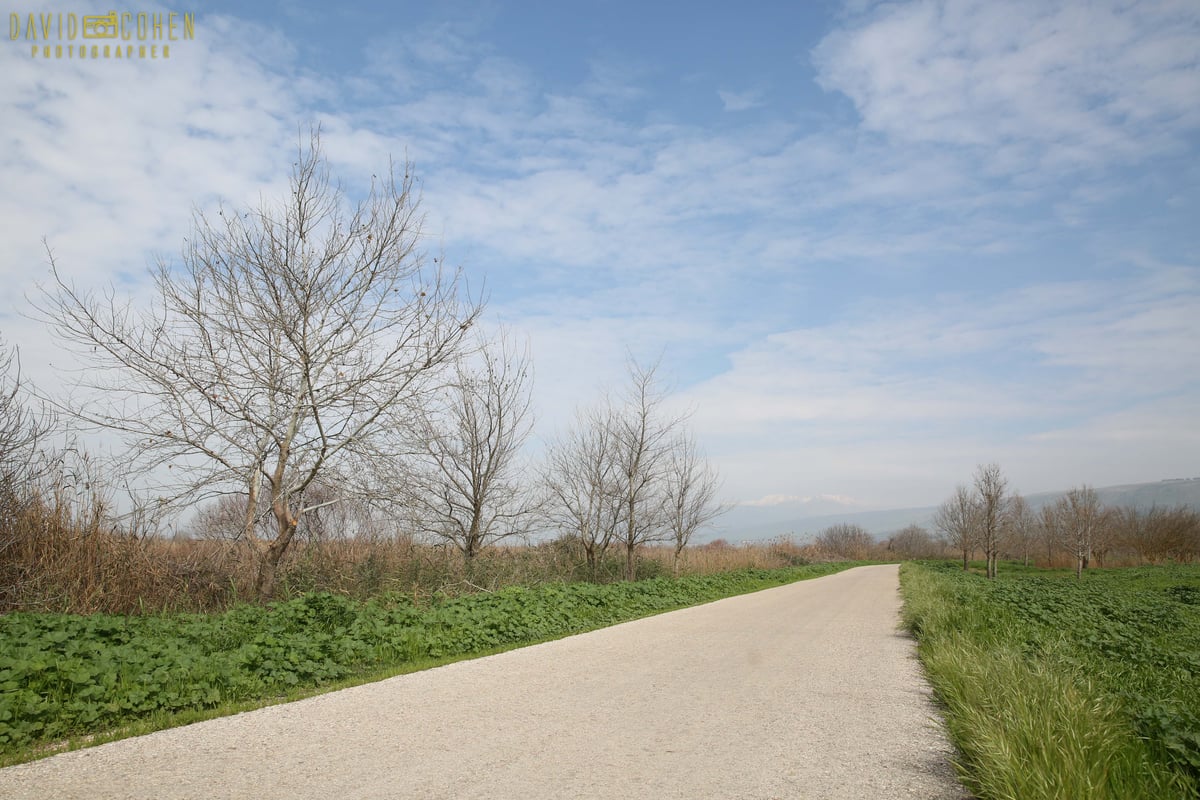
[
  {"x": 286, "y": 347},
  {"x": 1081, "y": 519},
  {"x": 1159, "y": 534},
  {"x": 990, "y": 488},
  {"x": 913, "y": 541},
  {"x": 223, "y": 518},
  {"x": 630, "y": 472},
  {"x": 957, "y": 520},
  {"x": 644, "y": 436},
  {"x": 467, "y": 490},
  {"x": 690, "y": 494},
  {"x": 1020, "y": 529},
  {"x": 580, "y": 479},
  {"x": 355, "y": 518},
  {"x": 846, "y": 540},
  {"x": 1107, "y": 537},
  {"x": 1050, "y": 529}
]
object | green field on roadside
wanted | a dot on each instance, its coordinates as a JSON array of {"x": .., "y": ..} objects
[
  {"x": 65, "y": 678},
  {"x": 1061, "y": 688}
]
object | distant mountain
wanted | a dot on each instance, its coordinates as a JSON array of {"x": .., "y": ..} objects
[
  {"x": 768, "y": 516},
  {"x": 803, "y": 518},
  {"x": 730, "y": 527},
  {"x": 1162, "y": 494}
]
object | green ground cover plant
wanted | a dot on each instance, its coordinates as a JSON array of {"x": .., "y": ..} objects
[
  {"x": 1061, "y": 688},
  {"x": 63, "y": 677}
]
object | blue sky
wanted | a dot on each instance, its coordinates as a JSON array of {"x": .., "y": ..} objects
[{"x": 874, "y": 244}]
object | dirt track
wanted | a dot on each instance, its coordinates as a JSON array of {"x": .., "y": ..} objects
[{"x": 805, "y": 691}]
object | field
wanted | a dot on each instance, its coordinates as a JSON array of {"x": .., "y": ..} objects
[
  {"x": 66, "y": 678},
  {"x": 1059, "y": 688}
]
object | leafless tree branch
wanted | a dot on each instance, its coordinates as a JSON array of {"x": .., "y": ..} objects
[{"x": 287, "y": 346}]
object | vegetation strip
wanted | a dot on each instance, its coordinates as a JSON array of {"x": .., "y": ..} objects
[
  {"x": 1059, "y": 688},
  {"x": 68, "y": 676}
]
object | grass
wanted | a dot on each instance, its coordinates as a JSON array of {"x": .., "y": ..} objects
[
  {"x": 1058, "y": 688},
  {"x": 58, "y": 555},
  {"x": 70, "y": 680}
]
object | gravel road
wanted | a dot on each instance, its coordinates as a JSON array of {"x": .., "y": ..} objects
[{"x": 804, "y": 691}]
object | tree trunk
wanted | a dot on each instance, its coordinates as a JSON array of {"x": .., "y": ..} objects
[
  {"x": 630, "y": 563},
  {"x": 268, "y": 565},
  {"x": 589, "y": 554},
  {"x": 474, "y": 544},
  {"x": 469, "y": 561}
]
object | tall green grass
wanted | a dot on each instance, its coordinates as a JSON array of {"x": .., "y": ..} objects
[{"x": 1060, "y": 689}]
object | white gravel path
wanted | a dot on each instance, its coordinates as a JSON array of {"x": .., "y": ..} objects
[{"x": 804, "y": 691}]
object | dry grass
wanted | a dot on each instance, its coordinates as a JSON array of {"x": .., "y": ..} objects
[
  {"x": 721, "y": 556},
  {"x": 59, "y": 552}
]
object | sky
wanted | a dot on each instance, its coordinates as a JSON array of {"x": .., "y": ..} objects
[{"x": 872, "y": 245}]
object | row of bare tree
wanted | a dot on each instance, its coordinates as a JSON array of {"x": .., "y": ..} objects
[
  {"x": 303, "y": 365},
  {"x": 986, "y": 517},
  {"x": 630, "y": 473},
  {"x": 626, "y": 473}
]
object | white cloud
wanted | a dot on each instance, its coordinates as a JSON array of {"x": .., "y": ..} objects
[
  {"x": 107, "y": 159},
  {"x": 1040, "y": 85},
  {"x": 740, "y": 101},
  {"x": 884, "y": 394}
]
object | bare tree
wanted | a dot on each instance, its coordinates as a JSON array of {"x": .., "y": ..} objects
[
  {"x": 690, "y": 489},
  {"x": 580, "y": 479},
  {"x": 1050, "y": 529},
  {"x": 913, "y": 541},
  {"x": 1107, "y": 535},
  {"x": 957, "y": 520},
  {"x": 24, "y": 430},
  {"x": 287, "y": 346},
  {"x": 1080, "y": 514},
  {"x": 846, "y": 540},
  {"x": 1159, "y": 534},
  {"x": 1132, "y": 530},
  {"x": 23, "y": 460},
  {"x": 630, "y": 472},
  {"x": 1020, "y": 528},
  {"x": 1177, "y": 532},
  {"x": 644, "y": 438},
  {"x": 467, "y": 490},
  {"x": 354, "y": 518},
  {"x": 990, "y": 486},
  {"x": 224, "y": 517}
]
